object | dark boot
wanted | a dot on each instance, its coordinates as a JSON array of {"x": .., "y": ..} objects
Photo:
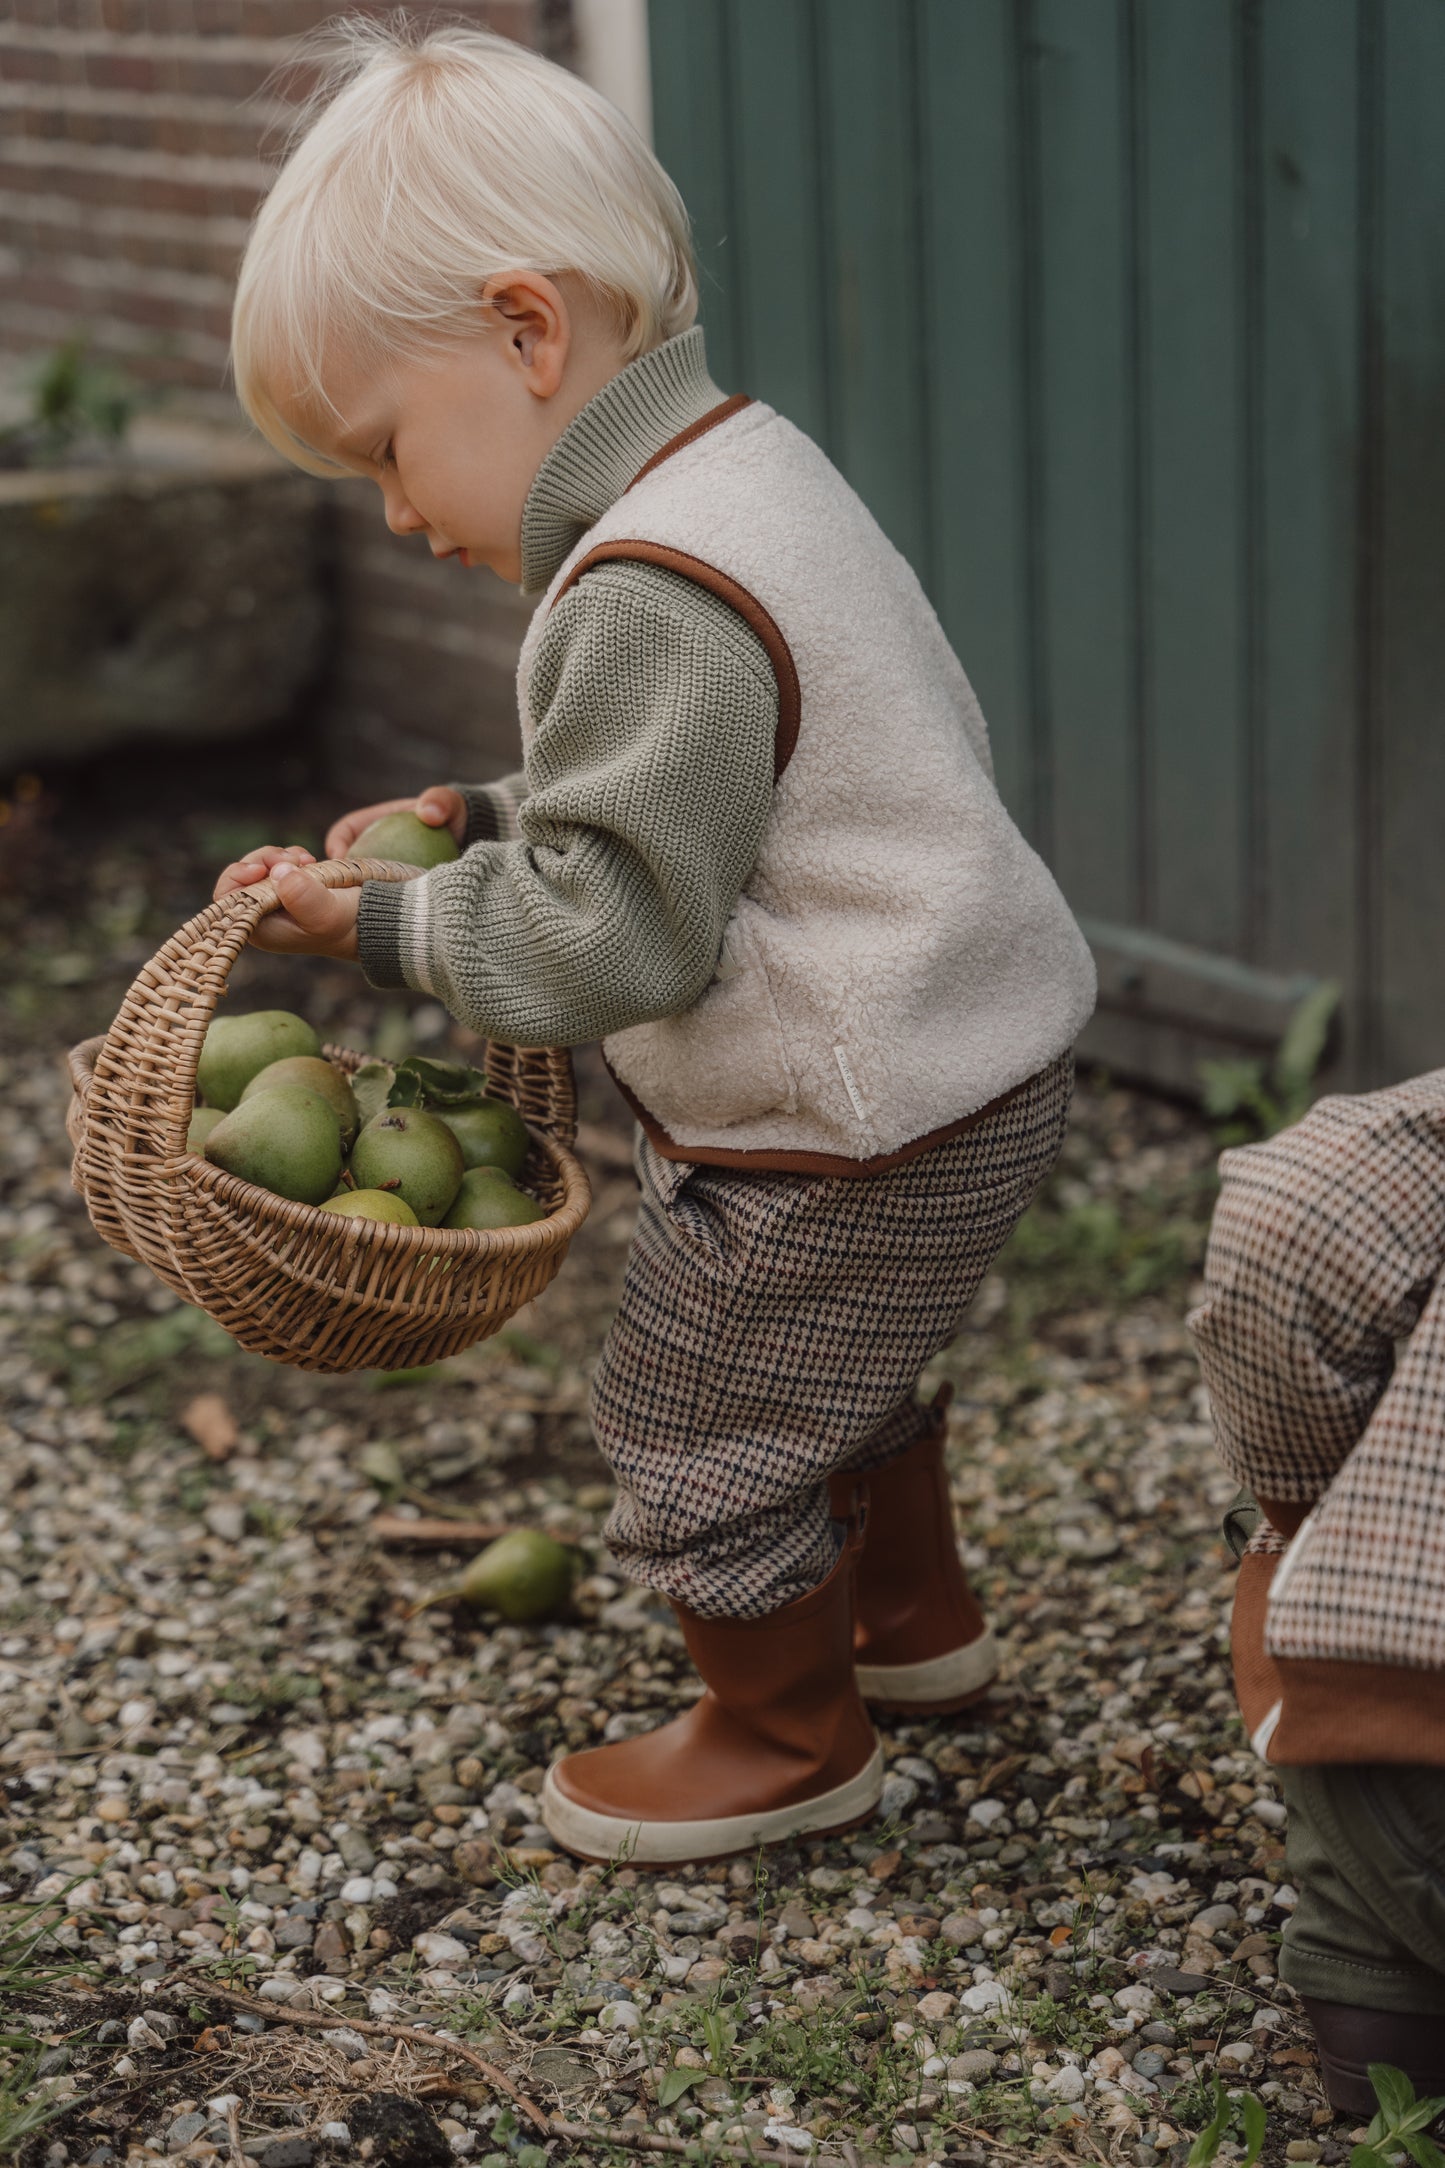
[
  {"x": 922, "y": 1645},
  {"x": 1350, "y": 2039},
  {"x": 778, "y": 1746}
]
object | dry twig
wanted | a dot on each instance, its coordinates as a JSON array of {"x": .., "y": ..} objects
[
  {"x": 637, "y": 2141},
  {"x": 653, "y": 2141},
  {"x": 433, "y": 1534},
  {"x": 278, "y": 2013}
]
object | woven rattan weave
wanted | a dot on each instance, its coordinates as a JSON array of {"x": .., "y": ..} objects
[{"x": 316, "y": 1289}]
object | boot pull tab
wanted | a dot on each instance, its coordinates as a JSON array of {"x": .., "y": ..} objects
[{"x": 942, "y": 1400}]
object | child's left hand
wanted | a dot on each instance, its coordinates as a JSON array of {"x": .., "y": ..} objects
[{"x": 314, "y": 921}]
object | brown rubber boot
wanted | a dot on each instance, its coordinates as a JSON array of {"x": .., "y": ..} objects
[
  {"x": 1350, "y": 2039},
  {"x": 922, "y": 1646},
  {"x": 778, "y": 1745}
]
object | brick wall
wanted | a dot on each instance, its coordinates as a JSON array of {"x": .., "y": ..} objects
[{"x": 131, "y": 159}]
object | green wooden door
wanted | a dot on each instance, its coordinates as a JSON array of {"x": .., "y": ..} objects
[{"x": 1127, "y": 319}]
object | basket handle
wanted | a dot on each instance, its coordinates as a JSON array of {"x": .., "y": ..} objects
[
  {"x": 185, "y": 979},
  {"x": 262, "y": 897}
]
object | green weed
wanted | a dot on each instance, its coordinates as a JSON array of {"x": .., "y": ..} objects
[
  {"x": 1401, "y": 2123},
  {"x": 25, "y": 2107},
  {"x": 1244, "y": 2113},
  {"x": 73, "y": 401},
  {"x": 1258, "y": 1098}
]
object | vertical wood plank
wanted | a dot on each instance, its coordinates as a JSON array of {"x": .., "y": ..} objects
[
  {"x": 1410, "y": 699},
  {"x": 973, "y": 241},
  {"x": 1088, "y": 605},
  {"x": 1309, "y": 404},
  {"x": 871, "y": 176},
  {"x": 779, "y": 266},
  {"x": 1191, "y": 283},
  {"x": 692, "y": 131}
]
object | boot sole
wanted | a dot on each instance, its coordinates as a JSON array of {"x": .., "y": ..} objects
[
  {"x": 606, "y": 1837},
  {"x": 938, "y": 1685}
]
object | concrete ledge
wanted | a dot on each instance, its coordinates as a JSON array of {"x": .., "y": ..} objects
[{"x": 179, "y": 592}]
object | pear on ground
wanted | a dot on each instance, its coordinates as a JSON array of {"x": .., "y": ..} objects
[
  {"x": 287, "y": 1141},
  {"x": 319, "y": 1076},
  {"x": 203, "y": 1121},
  {"x": 488, "y": 1199},
  {"x": 524, "y": 1575},
  {"x": 411, "y": 1151},
  {"x": 491, "y": 1133},
  {"x": 237, "y": 1048},
  {"x": 372, "y": 1204},
  {"x": 407, "y": 839}
]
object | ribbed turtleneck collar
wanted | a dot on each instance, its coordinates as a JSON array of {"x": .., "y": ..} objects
[{"x": 600, "y": 451}]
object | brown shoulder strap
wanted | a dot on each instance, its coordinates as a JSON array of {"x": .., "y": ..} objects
[
  {"x": 693, "y": 431},
  {"x": 748, "y": 607}
]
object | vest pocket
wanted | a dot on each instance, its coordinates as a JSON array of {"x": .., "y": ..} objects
[{"x": 722, "y": 1061}]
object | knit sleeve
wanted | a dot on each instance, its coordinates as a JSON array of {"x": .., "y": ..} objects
[
  {"x": 492, "y": 809},
  {"x": 648, "y": 781}
]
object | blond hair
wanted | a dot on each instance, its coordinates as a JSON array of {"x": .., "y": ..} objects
[{"x": 425, "y": 163}]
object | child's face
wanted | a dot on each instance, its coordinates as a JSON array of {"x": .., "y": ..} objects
[{"x": 454, "y": 440}]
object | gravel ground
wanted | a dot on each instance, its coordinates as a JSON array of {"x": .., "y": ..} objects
[{"x": 240, "y": 1769}]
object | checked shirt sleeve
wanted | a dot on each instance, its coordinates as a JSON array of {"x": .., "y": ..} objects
[
  {"x": 648, "y": 781},
  {"x": 1327, "y": 1241}
]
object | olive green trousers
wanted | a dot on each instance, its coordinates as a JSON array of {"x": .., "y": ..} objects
[{"x": 1366, "y": 1851}]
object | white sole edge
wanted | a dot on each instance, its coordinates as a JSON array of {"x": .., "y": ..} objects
[
  {"x": 938, "y": 1678},
  {"x": 606, "y": 1836}
]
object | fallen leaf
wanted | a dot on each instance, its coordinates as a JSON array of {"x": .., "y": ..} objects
[
  {"x": 999, "y": 1772},
  {"x": 211, "y": 1423}
]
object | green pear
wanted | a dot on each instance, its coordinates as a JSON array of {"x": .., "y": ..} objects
[
  {"x": 524, "y": 1575},
  {"x": 372, "y": 1204},
  {"x": 490, "y": 1198},
  {"x": 318, "y": 1076},
  {"x": 491, "y": 1134},
  {"x": 416, "y": 1153},
  {"x": 237, "y": 1048},
  {"x": 407, "y": 839},
  {"x": 287, "y": 1140},
  {"x": 203, "y": 1121}
]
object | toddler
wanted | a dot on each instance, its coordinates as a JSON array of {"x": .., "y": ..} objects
[
  {"x": 755, "y": 848},
  {"x": 1322, "y": 1341}
]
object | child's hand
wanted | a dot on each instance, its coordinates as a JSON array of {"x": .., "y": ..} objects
[
  {"x": 439, "y": 807},
  {"x": 314, "y": 921}
]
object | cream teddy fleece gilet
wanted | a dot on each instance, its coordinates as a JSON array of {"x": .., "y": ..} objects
[{"x": 899, "y": 957}]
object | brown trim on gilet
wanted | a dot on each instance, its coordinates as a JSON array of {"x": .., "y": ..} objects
[
  {"x": 693, "y": 431},
  {"x": 790, "y": 698},
  {"x": 1329, "y": 1712},
  {"x": 830, "y": 1163},
  {"x": 748, "y": 607}
]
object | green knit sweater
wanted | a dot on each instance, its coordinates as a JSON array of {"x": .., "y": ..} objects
[{"x": 594, "y": 886}]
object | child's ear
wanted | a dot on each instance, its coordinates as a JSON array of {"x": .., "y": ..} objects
[{"x": 528, "y": 311}]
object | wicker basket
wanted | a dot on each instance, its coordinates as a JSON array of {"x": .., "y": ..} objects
[{"x": 317, "y": 1289}]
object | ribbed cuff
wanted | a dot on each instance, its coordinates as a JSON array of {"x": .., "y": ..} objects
[
  {"x": 379, "y": 926},
  {"x": 483, "y": 817},
  {"x": 490, "y": 814}
]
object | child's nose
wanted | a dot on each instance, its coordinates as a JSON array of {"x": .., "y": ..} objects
[{"x": 401, "y": 517}]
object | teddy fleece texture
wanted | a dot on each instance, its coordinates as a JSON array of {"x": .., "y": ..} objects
[{"x": 898, "y": 956}]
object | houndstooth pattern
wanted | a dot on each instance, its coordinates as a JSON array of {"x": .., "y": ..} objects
[
  {"x": 772, "y": 1329},
  {"x": 1324, "y": 1255}
]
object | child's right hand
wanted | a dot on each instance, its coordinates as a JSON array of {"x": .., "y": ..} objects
[{"x": 439, "y": 807}]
